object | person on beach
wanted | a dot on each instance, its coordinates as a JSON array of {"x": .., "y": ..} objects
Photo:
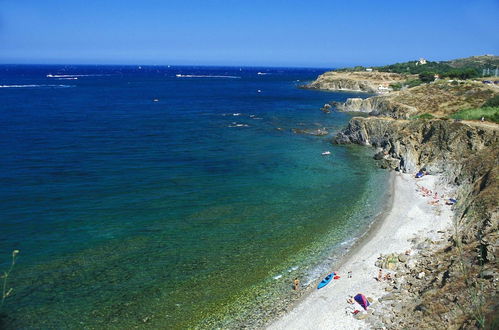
[
  {"x": 296, "y": 284},
  {"x": 380, "y": 275}
]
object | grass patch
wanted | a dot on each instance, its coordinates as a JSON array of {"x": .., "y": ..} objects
[{"x": 488, "y": 113}]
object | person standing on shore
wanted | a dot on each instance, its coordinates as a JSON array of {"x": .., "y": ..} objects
[{"x": 296, "y": 284}]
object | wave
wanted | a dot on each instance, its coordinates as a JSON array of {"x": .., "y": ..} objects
[
  {"x": 75, "y": 75},
  {"x": 234, "y": 124},
  {"x": 204, "y": 76},
  {"x": 37, "y": 86}
]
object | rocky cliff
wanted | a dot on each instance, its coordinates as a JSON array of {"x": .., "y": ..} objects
[
  {"x": 459, "y": 290},
  {"x": 369, "y": 82},
  {"x": 441, "y": 99},
  {"x": 377, "y": 105}
]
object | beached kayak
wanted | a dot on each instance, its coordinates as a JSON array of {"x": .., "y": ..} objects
[{"x": 325, "y": 281}]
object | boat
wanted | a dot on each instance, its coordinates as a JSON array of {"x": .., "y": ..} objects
[
  {"x": 325, "y": 281},
  {"x": 326, "y": 153}
]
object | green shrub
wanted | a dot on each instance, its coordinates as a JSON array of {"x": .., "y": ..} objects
[
  {"x": 488, "y": 113},
  {"x": 396, "y": 86},
  {"x": 492, "y": 102},
  {"x": 463, "y": 73},
  {"x": 427, "y": 76},
  {"x": 412, "y": 83}
]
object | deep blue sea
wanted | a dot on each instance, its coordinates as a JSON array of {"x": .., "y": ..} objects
[{"x": 170, "y": 196}]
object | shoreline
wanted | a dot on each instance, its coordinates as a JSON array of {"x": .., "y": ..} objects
[{"x": 327, "y": 308}]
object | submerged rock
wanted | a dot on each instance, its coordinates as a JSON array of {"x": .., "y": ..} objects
[{"x": 315, "y": 132}]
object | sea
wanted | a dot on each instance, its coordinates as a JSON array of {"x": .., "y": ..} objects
[{"x": 172, "y": 196}]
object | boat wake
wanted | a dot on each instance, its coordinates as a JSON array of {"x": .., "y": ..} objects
[
  {"x": 205, "y": 76},
  {"x": 37, "y": 86},
  {"x": 75, "y": 75}
]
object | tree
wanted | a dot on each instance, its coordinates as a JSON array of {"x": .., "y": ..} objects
[{"x": 427, "y": 76}]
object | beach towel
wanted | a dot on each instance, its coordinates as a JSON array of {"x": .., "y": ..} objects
[{"x": 362, "y": 300}]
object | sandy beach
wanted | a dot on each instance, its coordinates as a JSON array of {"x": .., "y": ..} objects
[{"x": 410, "y": 220}]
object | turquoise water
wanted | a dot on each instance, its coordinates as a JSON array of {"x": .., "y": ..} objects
[{"x": 139, "y": 198}]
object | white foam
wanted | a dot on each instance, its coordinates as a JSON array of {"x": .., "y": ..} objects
[
  {"x": 277, "y": 277},
  {"x": 75, "y": 75},
  {"x": 205, "y": 76},
  {"x": 36, "y": 86},
  {"x": 234, "y": 124}
]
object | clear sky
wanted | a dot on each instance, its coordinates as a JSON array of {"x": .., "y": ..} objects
[{"x": 245, "y": 32}]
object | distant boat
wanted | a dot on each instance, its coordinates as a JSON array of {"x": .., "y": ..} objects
[
  {"x": 259, "y": 91},
  {"x": 326, "y": 153},
  {"x": 155, "y": 100},
  {"x": 262, "y": 73},
  {"x": 325, "y": 281}
]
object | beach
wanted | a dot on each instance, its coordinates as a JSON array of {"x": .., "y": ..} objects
[{"x": 409, "y": 220}]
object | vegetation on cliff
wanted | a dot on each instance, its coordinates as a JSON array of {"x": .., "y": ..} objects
[
  {"x": 486, "y": 113},
  {"x": 463, "y": 68}
]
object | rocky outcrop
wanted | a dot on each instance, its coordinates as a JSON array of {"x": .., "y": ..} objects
[
  {"x": 441, "y": 99},
  {"x": 315, "y": 132},
  {"x": 458, "y": 290},
  {"x": 377, "y": 105},
  {"x": 369, "y": 82},
  {"x": 344, "y": 85}
]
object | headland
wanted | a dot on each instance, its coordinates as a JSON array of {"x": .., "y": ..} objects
[{"x": 439, "y": 240}]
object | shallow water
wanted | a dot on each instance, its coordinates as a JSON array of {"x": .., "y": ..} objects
[{"x": 138, "y": 197}]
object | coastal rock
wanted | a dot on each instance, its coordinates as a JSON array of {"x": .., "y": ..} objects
[
  {"x": 361, "y": 316},
  {"x": 402, "y": 258},
  {"x": 358, "y": 81},
  {"x": 446, "y": 276},
  {"x": 377, "y": 106},
  {"x": 315, "y": 132},
  {"x": 430, "y": 100}
]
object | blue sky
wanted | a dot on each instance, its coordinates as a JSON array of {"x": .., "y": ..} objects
[{"x": 245, "y": 32}]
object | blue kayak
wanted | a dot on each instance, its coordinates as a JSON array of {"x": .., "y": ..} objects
[{"x": 325, "y": 281}]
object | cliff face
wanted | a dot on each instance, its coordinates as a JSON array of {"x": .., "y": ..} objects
[
  {"x": 377, "y": 105},
  {"x": 355, "y": 81},
  {"x": 440, "y": 99},
  {"x": 460, "y": 281}
]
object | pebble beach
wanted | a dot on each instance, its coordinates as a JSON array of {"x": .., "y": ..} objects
[{"x": 411, "y": 220}]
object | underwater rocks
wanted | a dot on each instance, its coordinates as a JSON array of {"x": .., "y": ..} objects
[{"x": 315, "y": 132}]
